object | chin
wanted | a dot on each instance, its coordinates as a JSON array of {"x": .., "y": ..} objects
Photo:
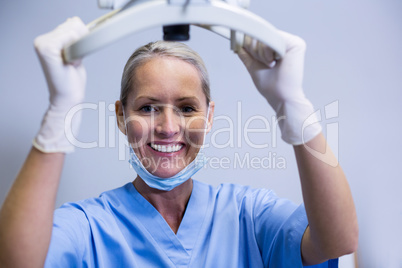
[{"x": 165, "y": 173}]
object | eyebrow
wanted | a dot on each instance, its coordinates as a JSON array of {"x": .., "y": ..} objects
[
  {"x": 147, "y": 97},
  {"x": 179, "y": 99},
  {"x": 188, "y": 98}
]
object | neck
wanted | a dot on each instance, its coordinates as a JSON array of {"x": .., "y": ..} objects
[{"x": 170, "y": 204}]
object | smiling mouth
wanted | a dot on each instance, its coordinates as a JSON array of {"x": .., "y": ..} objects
[{"x": 166, "y": 148}]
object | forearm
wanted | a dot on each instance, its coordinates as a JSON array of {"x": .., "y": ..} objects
[
  {"x": 26, "y": 216},
  {"x": 333, "y": 228}
]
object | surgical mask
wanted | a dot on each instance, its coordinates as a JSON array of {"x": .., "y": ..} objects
[{"x": 167, "y": 184}]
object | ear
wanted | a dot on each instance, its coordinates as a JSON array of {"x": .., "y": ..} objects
[
  {"x": 210, "y": 116},
  {"x": 120, "y": 116}
]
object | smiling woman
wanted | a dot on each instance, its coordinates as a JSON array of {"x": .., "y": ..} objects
[
  {"x": 165, "y": 113},
  {"x": 173, "y": 106},
  {"x": 164, "y": 218}
]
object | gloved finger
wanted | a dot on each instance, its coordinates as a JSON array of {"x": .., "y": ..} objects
[
  {"x": 76, "y": 24},
  {"x": 50, "y": 45},
  {"x": 70, "y": 31},
  {"x": 293, "y": 42},
  {"x": 245, "y": 57},
  {"x": 249, "y": 61},
  {"x": 293, "y": 60},
  {"x": 259, "y": 51}
]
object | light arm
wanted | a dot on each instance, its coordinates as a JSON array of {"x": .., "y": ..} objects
[{"x": 148, "y": 14}]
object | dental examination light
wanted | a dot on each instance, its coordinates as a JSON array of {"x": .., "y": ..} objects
[{"x": 228, "y": 18}]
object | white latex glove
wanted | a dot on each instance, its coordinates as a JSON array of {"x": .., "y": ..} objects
[
  {"x": 280, "y": 83},
  {"x": 66, "y": 84}
]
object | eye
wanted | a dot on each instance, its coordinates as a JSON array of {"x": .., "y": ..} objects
[
  {"x": 148, "y": 108},
  {"x": 187, "y": 109}
]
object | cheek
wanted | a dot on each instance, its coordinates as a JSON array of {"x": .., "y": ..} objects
[
  {"x": 138, "y": 131},
  {"x": 195, "y": 132}
]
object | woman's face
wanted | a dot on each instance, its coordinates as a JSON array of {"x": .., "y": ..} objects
[{"x": 165, "y": 115}]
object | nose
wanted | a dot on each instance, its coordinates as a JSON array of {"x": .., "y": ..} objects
[{"x": 168, "y": 123}]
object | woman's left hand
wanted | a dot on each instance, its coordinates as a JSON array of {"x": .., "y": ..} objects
[
  {"x": 333, "y": 228},
  {"x": 280, "y": 82}
]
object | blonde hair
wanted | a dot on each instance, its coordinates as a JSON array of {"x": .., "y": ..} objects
[{"x": 162, "y": 49}]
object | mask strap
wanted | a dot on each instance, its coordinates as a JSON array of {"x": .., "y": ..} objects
[{"x": 207, "y": 121}]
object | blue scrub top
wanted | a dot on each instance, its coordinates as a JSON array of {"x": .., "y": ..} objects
[{"x": 229, "y": 226}]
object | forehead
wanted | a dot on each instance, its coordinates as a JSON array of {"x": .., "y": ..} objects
[{"x": 167, "y": 77}]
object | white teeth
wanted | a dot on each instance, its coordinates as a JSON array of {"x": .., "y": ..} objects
[{"x": 166, "y": 148}]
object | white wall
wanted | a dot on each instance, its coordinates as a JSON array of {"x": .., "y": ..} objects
[{"x": 353, "y": 57}]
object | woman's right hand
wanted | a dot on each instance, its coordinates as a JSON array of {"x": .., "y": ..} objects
[
  {"x": 66, "y": 84},
  {"x": 26, "y": 216}
]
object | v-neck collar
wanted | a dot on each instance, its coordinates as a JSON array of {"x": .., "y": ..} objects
[{"x": 176, "y": 246}]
